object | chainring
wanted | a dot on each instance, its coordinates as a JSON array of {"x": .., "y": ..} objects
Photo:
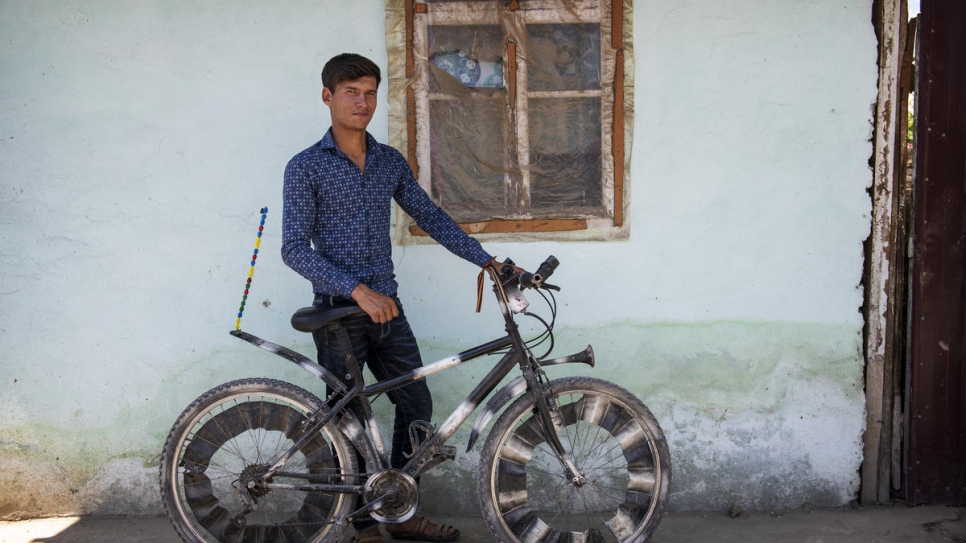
[{"x": 400, "y": 492}]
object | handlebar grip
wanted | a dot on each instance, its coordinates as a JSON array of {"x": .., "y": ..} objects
[{"x": 549, "y": 265}]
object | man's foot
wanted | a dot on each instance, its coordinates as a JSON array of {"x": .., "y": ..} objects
[
  {"x": 372, "y": 535},
  {"x": 420, "y": 529}
]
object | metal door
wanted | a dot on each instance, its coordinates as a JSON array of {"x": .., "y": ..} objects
[{"x": 936, "y": 373}]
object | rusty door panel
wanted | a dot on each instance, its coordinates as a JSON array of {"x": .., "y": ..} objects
[{"x": 936, "y": 445}]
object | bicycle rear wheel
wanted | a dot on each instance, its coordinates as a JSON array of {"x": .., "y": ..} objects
[
  {"x": 616, "y": 444},
  {"x": 232, "y": 434}
]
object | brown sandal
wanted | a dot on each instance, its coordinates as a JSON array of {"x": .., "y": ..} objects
[
  {"x": 369, "y": 539},
  {"x": 440, "y": 534}
]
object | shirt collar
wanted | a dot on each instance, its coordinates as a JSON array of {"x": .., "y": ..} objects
[{"x": 372, "y": 146}]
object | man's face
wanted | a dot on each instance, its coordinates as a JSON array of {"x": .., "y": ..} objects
[{"x": 353, "y": 103}]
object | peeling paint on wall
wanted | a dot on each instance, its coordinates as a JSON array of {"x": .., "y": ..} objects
[{"x": 760, "y": 415}]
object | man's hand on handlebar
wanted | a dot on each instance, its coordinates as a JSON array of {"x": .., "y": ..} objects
[{"x": 501, "y": 267}]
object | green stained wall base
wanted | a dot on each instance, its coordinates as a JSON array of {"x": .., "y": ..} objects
[{"x": 760, "y": 415}]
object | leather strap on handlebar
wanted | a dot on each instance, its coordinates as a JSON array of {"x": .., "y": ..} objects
[{"x": 479, "y": 290}]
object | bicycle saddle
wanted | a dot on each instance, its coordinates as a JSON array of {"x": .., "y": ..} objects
[{"x": 310, "y": 319}]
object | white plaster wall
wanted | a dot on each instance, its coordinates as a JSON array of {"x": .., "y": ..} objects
[
  {"x": 139, "y": 140},
  {"x": 749, "y": 166}
]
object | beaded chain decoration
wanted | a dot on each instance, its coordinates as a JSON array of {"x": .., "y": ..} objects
[{"x": 251, "y": 271}]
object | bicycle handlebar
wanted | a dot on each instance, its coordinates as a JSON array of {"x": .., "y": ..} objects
[{"x": 538, "y": 278}]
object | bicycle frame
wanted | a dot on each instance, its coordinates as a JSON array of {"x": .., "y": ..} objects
[
  {"x": 262, "y": 458},
  {"x": 427, "y": 454}
]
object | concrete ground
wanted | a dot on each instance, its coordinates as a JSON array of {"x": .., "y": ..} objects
[{"x": 886, "y": 524}]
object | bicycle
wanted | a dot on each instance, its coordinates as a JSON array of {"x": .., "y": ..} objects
[{"x": 570, "y": 459}]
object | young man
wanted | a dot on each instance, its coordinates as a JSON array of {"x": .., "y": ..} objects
[{"x": 336, "y": 233}]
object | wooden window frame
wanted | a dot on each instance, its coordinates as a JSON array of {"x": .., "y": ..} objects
[{"x": 614, "y": 158}]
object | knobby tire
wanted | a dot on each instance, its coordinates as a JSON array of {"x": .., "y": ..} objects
[
  {"x": 616, "y": 443},
  {"x": 230, "y": 433}
]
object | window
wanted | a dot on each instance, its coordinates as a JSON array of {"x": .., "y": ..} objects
[{"x": 515, "y": 111}]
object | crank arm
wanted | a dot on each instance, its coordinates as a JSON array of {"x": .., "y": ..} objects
[{"x": 372, "y": 506}]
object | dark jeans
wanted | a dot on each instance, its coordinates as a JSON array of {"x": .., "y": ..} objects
[{"x": 389, "y": 350}]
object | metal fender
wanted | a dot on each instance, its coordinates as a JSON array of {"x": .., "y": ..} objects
[
  {"x": 299, "y": 359},
  {"x": 353, "y": 430},
  {"x": 513, "y": 389},
  {"x": 518, "y": 386}
]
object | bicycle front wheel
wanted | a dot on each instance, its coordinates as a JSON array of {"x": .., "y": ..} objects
[
  {"x": 226, "y": 439},
  {"x": 617, "y": 446}
]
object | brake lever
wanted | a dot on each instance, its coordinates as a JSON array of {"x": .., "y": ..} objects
[{"x": 548, "y": 286}]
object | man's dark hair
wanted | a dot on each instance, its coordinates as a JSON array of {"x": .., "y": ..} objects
[{"x": 348, "y": 67}]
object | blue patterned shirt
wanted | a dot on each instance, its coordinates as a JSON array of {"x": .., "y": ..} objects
[{"x": 336, "y": 219}]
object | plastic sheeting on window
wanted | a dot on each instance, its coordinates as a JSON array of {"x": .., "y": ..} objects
[{"x": 501, "y": 137}]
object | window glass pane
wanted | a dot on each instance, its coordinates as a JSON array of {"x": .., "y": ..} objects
[
  {"x": 467, "y": 168},
  {"x": 565, "y": 155},
  {"x": 471, "y": 55},
  {"x": 563, "y": 57},
  {"x": 540, "y": 156}
]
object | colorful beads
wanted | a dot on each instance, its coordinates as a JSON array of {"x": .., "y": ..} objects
[{"x": 251, "y": 270}]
